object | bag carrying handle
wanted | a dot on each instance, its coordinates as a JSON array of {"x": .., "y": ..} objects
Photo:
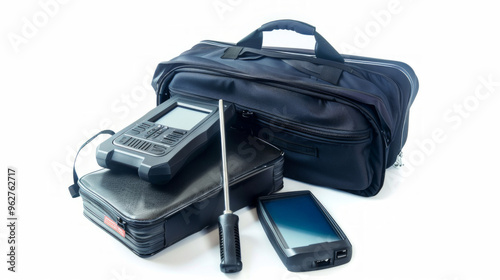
[{"x": 322, "y": 49}]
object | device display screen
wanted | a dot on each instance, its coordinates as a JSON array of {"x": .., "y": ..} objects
[
  {"x": 182, "y": 118},
  {"x": 300, "y": 221}
]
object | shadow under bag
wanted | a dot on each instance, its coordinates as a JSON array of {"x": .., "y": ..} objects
[{"x": 341, "y": 120}]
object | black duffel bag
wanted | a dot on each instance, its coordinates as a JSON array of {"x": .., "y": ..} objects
[{"x": 341, "y": 120}]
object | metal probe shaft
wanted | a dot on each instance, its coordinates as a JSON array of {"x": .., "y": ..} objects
[
  {"x": 225, "y": 180},
  {"x": 229, "y": 236}
]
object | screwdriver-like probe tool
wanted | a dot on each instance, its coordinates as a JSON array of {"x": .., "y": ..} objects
[{"x": 229, "y": 236}]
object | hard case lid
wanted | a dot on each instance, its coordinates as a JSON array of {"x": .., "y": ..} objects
[{"x": 138, "y": 201}]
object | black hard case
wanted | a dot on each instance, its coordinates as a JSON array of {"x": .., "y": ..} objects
[{"x": 154, "y": 217}]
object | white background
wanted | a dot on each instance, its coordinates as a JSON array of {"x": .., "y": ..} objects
[{"x": 70, "y": 69}]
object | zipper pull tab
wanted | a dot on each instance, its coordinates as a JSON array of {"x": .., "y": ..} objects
[
  {"x": 247, "y": 124},
  {"x": 399, "y": 160},
  {"x": 246, "y": 114},
  {"x": 387, "y": 138},
  {"x": 120, "y": 222}
]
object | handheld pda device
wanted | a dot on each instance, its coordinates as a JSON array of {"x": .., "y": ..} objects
[
  {"x": 302, "y": 232},
  {"x": 165, "y": 139}
]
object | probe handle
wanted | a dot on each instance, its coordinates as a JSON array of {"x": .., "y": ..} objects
[{"x": 229, "y": 240}]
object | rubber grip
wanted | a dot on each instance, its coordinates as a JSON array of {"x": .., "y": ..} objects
[{"x": 229, "y": 240}]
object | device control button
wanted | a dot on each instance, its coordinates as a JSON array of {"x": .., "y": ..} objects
[
  {"x": 181, "y": 132},
  {"x": 134, "y": 131},
  {"x": 158, "y": 150},
  {"x": 158, "y": 147},
  {"x": 167, "y": 141},
  {"x": 155, "y": 135},
  {"x": 145, "y": 125},
  {"x": 168, "y": 137},
  {"x": 174, "y": 138},
  {"x": 141, "y": 129},
  {"x": 124, "y": 139},
  {"x": 150, "y": 132},
  {"x": 176, "y": 135}
]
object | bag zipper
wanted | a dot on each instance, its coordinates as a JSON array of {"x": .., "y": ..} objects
[
  {"x": 111, "y": 210},
  {"x": 413, "y": 85},
  {"x": 326, "y": 96},
  {"x": 390, "y": 65},
  {"x": 225, "y": 73},
  {"x": 393, "y": 83},
  {"x": 321, "y": 61},
  {"x": 108, "y": 208},
  {"x": 92, "y": 207},
  {"x": 295, "y": 128},
  {"x": 339, "y": 65},
  {"x": 148, "y": 242}
]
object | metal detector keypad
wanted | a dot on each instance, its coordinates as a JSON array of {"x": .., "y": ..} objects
[{"x": 151, "y": 138}]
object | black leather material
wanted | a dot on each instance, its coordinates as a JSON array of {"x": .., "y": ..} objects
[{"x": 156, "y": 216}]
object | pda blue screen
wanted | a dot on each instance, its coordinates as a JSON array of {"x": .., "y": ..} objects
[{"x": 300, "y": 221}]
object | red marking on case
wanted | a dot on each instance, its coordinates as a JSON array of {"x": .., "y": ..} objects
[{"x": 114, "y": 226}]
